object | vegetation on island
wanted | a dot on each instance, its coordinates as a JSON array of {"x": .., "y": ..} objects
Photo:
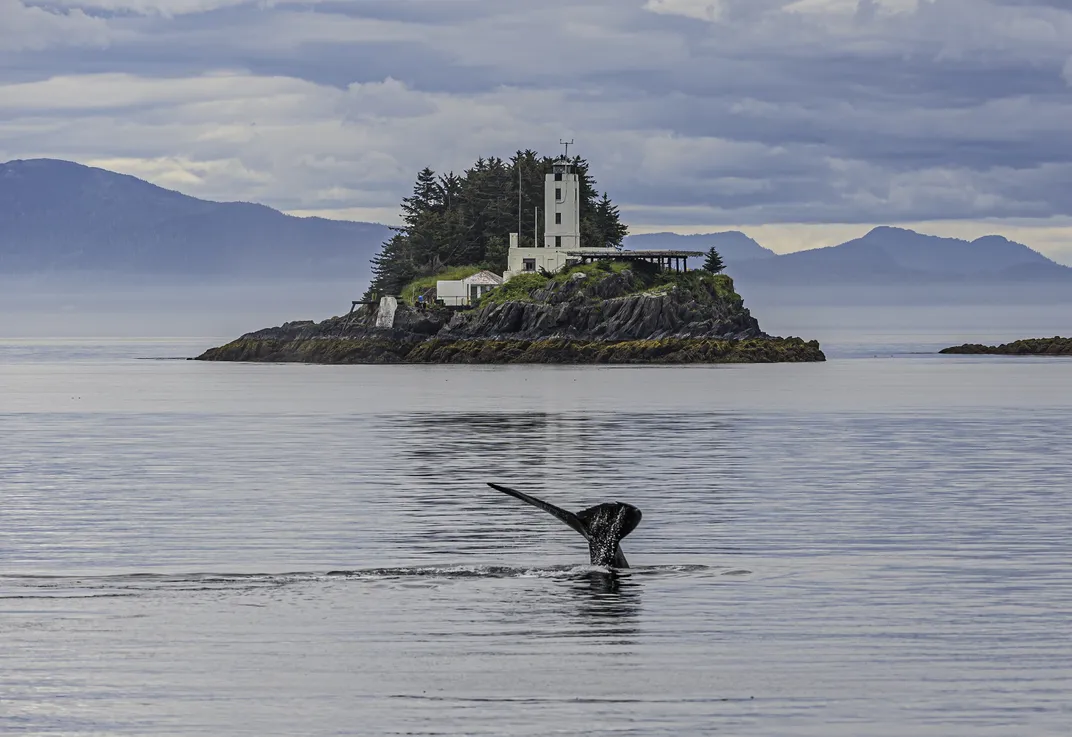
[
  {"x": 641, "y": 276},
  {"x": 453, "y": 220},
  {"x": 1056, "y": 346}
]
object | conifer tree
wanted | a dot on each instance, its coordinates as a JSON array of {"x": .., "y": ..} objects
[
  {"x": 609, "y": 229},
  {"x": 714, "y": 262}
]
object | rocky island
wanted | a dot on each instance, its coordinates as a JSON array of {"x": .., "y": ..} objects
[
  {"x": 570, "y": 295},
  {"x": 1055, "y": 346},
  {"x": 609, "y": 312}
]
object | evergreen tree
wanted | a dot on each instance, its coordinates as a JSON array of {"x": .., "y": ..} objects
[
  {"x": 427, "y": 195},
  {"x": 393, "y": 268},
  {"x": 714, "y": 262},
  {"x": 609, "y": 231},
  {"x": 454, "y": 220}
]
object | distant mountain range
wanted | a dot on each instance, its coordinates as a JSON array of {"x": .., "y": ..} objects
[
  {"x": 885, "y": 256},
  {"x": 895, "y": 256},
  {"x": 62, "y": 217},
  {"x": 58, "y": 216},
  {"x": 732, "y": 245}
]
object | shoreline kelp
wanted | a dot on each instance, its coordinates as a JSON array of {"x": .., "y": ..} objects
[
  {"x": 558, "y": 351},
  {"x": 1056, "y": 346}
]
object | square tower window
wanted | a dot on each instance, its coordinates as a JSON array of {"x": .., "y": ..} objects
[
  {"x": 529, "y": 264},
  {"x": 558, "y": 218},
  {"x": 558, "y": 176}
]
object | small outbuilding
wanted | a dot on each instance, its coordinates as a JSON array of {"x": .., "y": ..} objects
[{"x": 466, "y": 292}]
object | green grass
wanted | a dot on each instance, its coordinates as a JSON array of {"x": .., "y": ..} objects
[
  {"x": 646, "y": 279},
  {"x": 649, "y": 278},
  {"x": 720, "y": 284},
  {"x": 426, "y": 283},
  {"x": 515, "y": 290},
  {"x": 597, "y": 269}
]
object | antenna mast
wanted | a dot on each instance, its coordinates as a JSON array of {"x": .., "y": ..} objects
[{"x": 567, "y": 144}]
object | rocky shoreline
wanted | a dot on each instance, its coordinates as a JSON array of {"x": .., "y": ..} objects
[
  {"x": 669, "y": 351},
  {"x": 1055, "y": 346},
  {"x": 598, "y": 315}
]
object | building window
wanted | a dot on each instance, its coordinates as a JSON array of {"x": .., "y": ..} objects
[
  {"x": 558, "y": 218},
  {"x": 558, "y": 193},
  {"x": 558, "y": 241},
  {"x": 529, "y": 264},
  {"x": 558, "y": 176}
]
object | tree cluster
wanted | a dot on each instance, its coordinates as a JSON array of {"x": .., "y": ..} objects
[{"x": 452, "y": 220}]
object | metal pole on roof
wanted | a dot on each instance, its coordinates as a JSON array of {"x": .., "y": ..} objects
[{"x": 536, "y": 228}]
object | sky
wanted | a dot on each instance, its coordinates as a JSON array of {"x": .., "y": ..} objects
[{"x": 802, "y": 122}]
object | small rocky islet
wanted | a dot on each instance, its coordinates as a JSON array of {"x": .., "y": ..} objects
[
  {"x": 606, "y": 313},
  {"x": 1056, "y": 346}
]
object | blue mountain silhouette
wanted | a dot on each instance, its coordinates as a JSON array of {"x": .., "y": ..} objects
[
  {"x": 896, "y": 256},
  {"x": 734, "y": 246},
  {"x": 59, "y": 216}
]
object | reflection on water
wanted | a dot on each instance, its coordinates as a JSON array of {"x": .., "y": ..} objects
[
  {"x": 610, "y": 604},
  {"x": 851, "y": 549},
  {"x": 572, "y": 460}
]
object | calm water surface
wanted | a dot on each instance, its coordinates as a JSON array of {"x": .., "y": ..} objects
[{"x": 872, "y": 546}]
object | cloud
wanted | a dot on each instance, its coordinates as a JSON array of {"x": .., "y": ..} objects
[
  {"x": 24, "y": 28},
  {"x": 166, "y": 8},
  {"x": 869, "y": 8},
  {"x": 707, "y": 10},
  {"x": 183, "y": 174},
  {"x": 387, "y": 99},
  {"x": 692, "y": 112}
]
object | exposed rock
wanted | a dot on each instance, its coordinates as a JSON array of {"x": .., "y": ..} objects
[
  {"x": 560, "y": 350},
  {"x": 586, "y": 316},
  {"x": 1055, "y": 346}
]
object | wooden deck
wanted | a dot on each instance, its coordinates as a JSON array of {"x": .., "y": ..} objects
[{"x": 668, "y": 260}]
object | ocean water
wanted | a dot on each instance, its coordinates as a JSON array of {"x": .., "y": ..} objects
[{"x": 877, "y": 545}]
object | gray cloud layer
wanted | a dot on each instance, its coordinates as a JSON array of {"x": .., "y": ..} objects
[{"x": 692, "y": 111}]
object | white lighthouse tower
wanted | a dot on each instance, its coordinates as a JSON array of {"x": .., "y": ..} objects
[
  {"x": 562, "y": 207},
  {"x": 561, "y": 241}
]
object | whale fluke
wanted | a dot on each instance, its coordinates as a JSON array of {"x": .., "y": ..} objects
[{"x": 603, "y": 525}]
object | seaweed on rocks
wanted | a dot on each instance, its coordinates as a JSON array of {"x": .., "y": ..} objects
[
  {"x": 1056, "y": 346},
  {"x": 590, "y": 314}
]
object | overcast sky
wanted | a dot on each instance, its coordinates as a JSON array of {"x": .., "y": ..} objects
[{"x": 802, "y": 122}]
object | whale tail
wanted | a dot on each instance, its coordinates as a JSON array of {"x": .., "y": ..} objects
[{"x": 603, "y": 526}]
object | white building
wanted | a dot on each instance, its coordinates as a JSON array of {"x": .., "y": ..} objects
[
  {"x": 467, "y": 291},
  {"x": 562, "y": 226}
]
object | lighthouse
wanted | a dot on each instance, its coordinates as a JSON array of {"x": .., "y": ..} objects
[
  {"x": 561, "y": 242},
  {"x": 562, "y": 207}
]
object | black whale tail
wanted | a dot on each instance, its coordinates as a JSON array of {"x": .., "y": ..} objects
[
  {"x": 607, "y": 524},
  {"x": 603, "y": 525}
]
